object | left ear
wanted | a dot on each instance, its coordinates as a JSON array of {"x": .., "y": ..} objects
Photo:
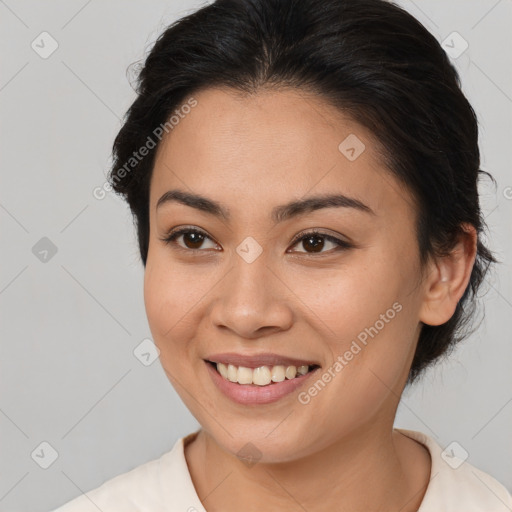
[{"x": 448, "y": 278}]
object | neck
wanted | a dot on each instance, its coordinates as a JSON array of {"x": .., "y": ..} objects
[{"x": 373, "y": 469}]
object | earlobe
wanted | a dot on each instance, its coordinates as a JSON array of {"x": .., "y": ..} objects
[{"x": 448, "y": 279}]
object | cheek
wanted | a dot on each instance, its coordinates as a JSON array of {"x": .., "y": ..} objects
[
  {"x": 368, "y": 316},
  {"x": 168, "y": 295},
  {"x": 165, "y": 303},
  {"x": 175, "y": 298},
  {"x": 344, "y": 299},
  {"x": 158, "y": 300},
  {"x": 370, "y": 362}
]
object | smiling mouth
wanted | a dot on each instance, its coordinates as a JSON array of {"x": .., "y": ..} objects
[{"x": 262, "y": 375}]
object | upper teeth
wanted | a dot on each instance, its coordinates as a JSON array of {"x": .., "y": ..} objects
[{"x": 262, "y": 375}]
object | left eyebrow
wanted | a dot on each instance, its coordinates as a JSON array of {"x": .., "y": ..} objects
[
  {"x": 302, "y": 206},
  {"x": 278, "y": 214}
]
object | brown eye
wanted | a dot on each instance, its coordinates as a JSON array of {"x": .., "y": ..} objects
[
  {"x": 314, "y": 242},
  {"x": 193, "y": 239}
]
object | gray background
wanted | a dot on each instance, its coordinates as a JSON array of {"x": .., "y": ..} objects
[{"x": 70, "y": 324}]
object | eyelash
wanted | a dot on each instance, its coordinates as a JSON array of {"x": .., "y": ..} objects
[{"x": 342, "y": 244}]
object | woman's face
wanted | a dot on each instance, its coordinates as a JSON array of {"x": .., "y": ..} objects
[{"x": 250, "y": 287}]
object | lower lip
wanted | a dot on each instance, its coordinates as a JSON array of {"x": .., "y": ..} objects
[{"x": 248, "y": 394}]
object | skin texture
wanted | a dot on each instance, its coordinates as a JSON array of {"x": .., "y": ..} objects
[{"x": 251, "y": 153}]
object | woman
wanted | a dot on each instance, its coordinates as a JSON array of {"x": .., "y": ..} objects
[{"x": 303, "y": 177}]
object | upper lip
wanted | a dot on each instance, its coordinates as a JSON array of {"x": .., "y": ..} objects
[{"x": 256, "y": 360}]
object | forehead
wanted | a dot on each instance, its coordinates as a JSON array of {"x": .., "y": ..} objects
[{"x": 269, "y": 146}]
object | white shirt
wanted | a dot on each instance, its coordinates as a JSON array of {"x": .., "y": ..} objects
[{"x": 165, "y": 485}]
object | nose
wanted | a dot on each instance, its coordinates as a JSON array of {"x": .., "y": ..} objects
[{"x": 252, "y": 300}]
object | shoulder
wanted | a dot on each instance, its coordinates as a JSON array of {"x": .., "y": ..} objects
[
  {"x": 128, "y": 491},
  {"x": 145, "y": 488},
  {"x": 456, "y": 485}
]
